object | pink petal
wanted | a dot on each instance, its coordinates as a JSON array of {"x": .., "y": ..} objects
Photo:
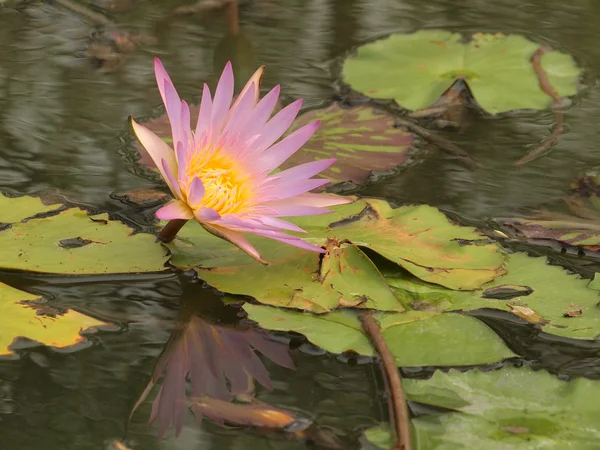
[
  {"x": 290, "y": 210},
  {"x": 235, "y": 238},
  {"x": 182, "y": 159},
  {"x": 240, "y": 116},
  {"x": 252, "y": 86},
  {"x": 203, "y": 124},
  {"x": 170, "y": 98},
  {"x": 287, "y": 239},
  {"x": 222, "y": 101},
  {"x": 206, "y": 215},
  {"x": 292, "y": 189},
  {"x": 278, "y": 125},
  {"x": 158, "y": 150},
  {"x": 265, "y": 107},
  {"x": 185, "y": 124},
  {"x": 175, "y": 209},
  {"x": 301, "y": 172},
  {"x": 278, "y": 223},
  {"x": 170, "y": 178},
  {"x": 238, "y": 223},
  {"x": 281, "y": 151},
  {"x": 195, "y": 193},
  {"x": 309, "y": 199}
]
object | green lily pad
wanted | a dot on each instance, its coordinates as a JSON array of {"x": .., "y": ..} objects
[
  {"x": 511, "y": 408},
  {"x": 560, "y": 303},
  {"x": 415, "y": 338},
  {"x": 23, "y": 315},
  {"x": 72, "y": 242},
  {"x": 15, "y": 209},
  {"x": 360, "y": 138},
  {"x": 415, "y": 70},
  {"x": 595, "y": 283},
  {"x": 419, "y": 238}
]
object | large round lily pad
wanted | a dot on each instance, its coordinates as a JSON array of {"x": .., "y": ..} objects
[
  {"x": 560, "y": 303},
  {"x": 415, "y": 70},
  {"x": 419, "y": 238},
  {"x": 72, "y": 242},
  {"x": 415, "y": 338},
  {"x": 23, "y": 315},
  {"x": 360, "y": 138},
  {"x": 511, "y": 408}
]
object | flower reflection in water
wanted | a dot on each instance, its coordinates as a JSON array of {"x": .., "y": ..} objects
[{"x": 219, "y": 362}]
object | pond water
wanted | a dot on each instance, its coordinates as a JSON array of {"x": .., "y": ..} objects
[{"x": 64, "y": 130}]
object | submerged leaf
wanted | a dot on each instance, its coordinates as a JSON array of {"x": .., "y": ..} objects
[
  {"x": 72, "y": 242},
  {"x": 23, "y": 315},
  {"x": 415, "y": 70},
  {"x": 360, "y": 138},
  {"x": 514, "y": 408}
]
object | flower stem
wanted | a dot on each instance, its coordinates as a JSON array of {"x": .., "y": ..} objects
[
  {"x": 400, "y": 418},
  {"x": 168, "y": 233}
]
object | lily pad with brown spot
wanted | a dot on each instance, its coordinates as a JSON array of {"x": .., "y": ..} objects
[
  {"x": 419, "y": 238},
  {"x": 73, "y": 242},
  {"x": 549, "y": 295}
]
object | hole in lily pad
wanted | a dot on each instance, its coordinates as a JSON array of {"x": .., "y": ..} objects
[{"x": 74, "y": 242}]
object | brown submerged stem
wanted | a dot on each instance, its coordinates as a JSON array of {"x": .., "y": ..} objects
[
  {"x": 232, "y": 15},
  {"x": 400, "y": 419},
  {"x": 536, "y": 62},
  {"x": 168, "y": 233}
]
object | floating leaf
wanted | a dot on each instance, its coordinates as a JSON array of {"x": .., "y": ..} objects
[
  {"x": 577, "y": 232},
  {"x": 579, "y": 228},
  {"x": 72, "y": 242},
  {"x": 503, "y": 409},
  {"x": 15, "y": 209},
  {"x": 415, "y": 70},
  {"x": 419, "y": 238},
  {"x": 360, "y": 138},
  {"x": 595, "y": 283},
  {"x": 549, "y": 296},
  {"x": 23, "y": 315},
  {"x": 415, "y": 338}
]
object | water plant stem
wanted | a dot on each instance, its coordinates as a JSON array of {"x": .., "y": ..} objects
[
  {"x": 168, "y": 233},
  {"x": 400, "y": 418},
  {"x": 232, "y": 15},
  {"x": 536, "y": 62}
]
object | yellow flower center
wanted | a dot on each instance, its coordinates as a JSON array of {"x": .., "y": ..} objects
[{"x": 227, "y": 186}]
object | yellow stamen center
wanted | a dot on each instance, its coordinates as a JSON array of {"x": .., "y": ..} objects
[{"x": 227, "y": 186}]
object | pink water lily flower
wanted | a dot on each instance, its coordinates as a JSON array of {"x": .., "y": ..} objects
[{"x": 221, "y": 173}]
